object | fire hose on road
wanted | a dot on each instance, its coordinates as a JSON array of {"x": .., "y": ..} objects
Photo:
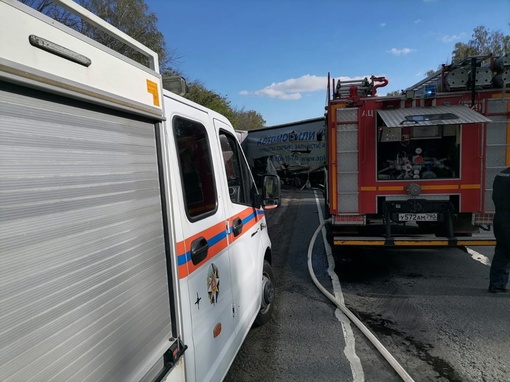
[{"x": 371, "y": 337}]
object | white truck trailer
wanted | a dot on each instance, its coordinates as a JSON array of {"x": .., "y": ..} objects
[
  {"x": 133, "y": 243},
  {"x": 296, "y": 151}
]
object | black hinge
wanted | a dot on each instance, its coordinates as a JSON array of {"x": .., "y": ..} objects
[{"x": 170, "y": 357}]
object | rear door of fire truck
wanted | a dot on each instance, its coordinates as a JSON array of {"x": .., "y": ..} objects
[{"x": 432, "y": 157}]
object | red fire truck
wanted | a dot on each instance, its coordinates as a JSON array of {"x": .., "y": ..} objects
[{"x": 417, "y": 169}]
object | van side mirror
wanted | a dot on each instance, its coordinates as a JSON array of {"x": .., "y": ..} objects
[{"x": 271, "y": 191}]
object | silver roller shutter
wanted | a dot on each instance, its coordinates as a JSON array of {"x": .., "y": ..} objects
[
  {"x": 457, "y": 115},
  {"x": 347, "y": 159},
  {"x": 83, "y": 278},
  {"x": 497, "y": 146}
]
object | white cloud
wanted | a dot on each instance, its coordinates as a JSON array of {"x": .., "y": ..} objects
[
  {"x": 450, "y": 38},
  {"x": 417, "y": 21},
  {"x": 401, "y": 52},
  {"x": 382, "y": 25},
  {"x": 293, "y": 88}
]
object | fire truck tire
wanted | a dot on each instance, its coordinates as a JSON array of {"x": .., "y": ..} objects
[{"x": 267, "y": 301}]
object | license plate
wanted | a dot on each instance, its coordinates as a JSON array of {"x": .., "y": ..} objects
[{"x": 422, "y": 217}]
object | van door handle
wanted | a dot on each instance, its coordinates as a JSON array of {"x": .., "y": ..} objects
[
  {"x": 237, "y": 226},
  {"x": 199, "y": 249}
]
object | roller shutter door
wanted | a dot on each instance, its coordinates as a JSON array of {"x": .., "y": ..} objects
[{"x": 83, "y": 277}]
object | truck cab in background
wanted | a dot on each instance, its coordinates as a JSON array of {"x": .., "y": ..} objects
[{"x": 133, "y": 241}]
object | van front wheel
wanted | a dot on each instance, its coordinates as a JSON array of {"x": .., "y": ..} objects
[{"x": 267, "y": 300}]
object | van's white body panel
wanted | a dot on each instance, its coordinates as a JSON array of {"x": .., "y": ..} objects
[{"x": 113, "y": 266}]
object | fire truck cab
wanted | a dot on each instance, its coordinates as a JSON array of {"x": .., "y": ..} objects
[{"x": 417, "y": 169}]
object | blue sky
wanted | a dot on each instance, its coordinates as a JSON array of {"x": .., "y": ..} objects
[{"x": 273, "y": 56}]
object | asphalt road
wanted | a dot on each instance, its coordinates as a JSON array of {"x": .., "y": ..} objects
[{"x": 429, "y": 308}]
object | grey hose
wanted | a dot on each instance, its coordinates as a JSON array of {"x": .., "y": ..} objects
[{"x": 373, "y": 339}]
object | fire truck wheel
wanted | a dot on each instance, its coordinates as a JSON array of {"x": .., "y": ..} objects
[{"x": 267, "y": 301}]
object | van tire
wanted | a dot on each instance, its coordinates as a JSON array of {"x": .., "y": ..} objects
[{"x": 267, "y": 300}]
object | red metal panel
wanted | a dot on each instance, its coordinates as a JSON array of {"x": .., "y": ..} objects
[
  {"x": 471, "y": 169},
  {"x": 367, "y": 157}
]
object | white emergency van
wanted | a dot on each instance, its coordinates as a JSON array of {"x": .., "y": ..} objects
[{"x": 133, "y": 242}]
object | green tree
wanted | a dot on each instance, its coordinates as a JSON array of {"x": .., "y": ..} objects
[
  {"x": 199, "y": 94},
  {"x": 240, "y": 119},
  {"x": 461, "y": 51},
  {"x": 248, "y": 120},
  {"x": 133, "y": 18},
  {"x": 483, "y": 42}
]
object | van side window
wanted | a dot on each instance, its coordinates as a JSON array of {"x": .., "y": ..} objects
[
  {"x": 238, "y": 175},
  {"x": 196, "y": 167}
]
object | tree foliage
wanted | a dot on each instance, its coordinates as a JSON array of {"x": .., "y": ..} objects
[
  {"x": 240, "y": 119},
  {"x": 394, "y": 93},
  {"x": 431, "y": 71},
  {"x": 483, "y": 42},
  {"x": 248, "y": 120},
  {"x": 133, "y": 18},
  {"x": 199, "y": 94}
]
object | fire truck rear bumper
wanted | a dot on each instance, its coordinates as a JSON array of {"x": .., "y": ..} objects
[{"x": 405, "y": 241}]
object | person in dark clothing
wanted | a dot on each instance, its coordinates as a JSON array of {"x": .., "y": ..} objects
[{"x": 500, "y": 267}]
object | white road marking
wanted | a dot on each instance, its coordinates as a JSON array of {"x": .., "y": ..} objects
[
  {"x": 350, "y": 343},
  {"x": 478, "y": 256}
]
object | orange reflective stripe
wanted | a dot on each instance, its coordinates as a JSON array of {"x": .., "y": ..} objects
[
  {"x": 217, "y": 237},
  {"x": 249, "y": 217}
]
